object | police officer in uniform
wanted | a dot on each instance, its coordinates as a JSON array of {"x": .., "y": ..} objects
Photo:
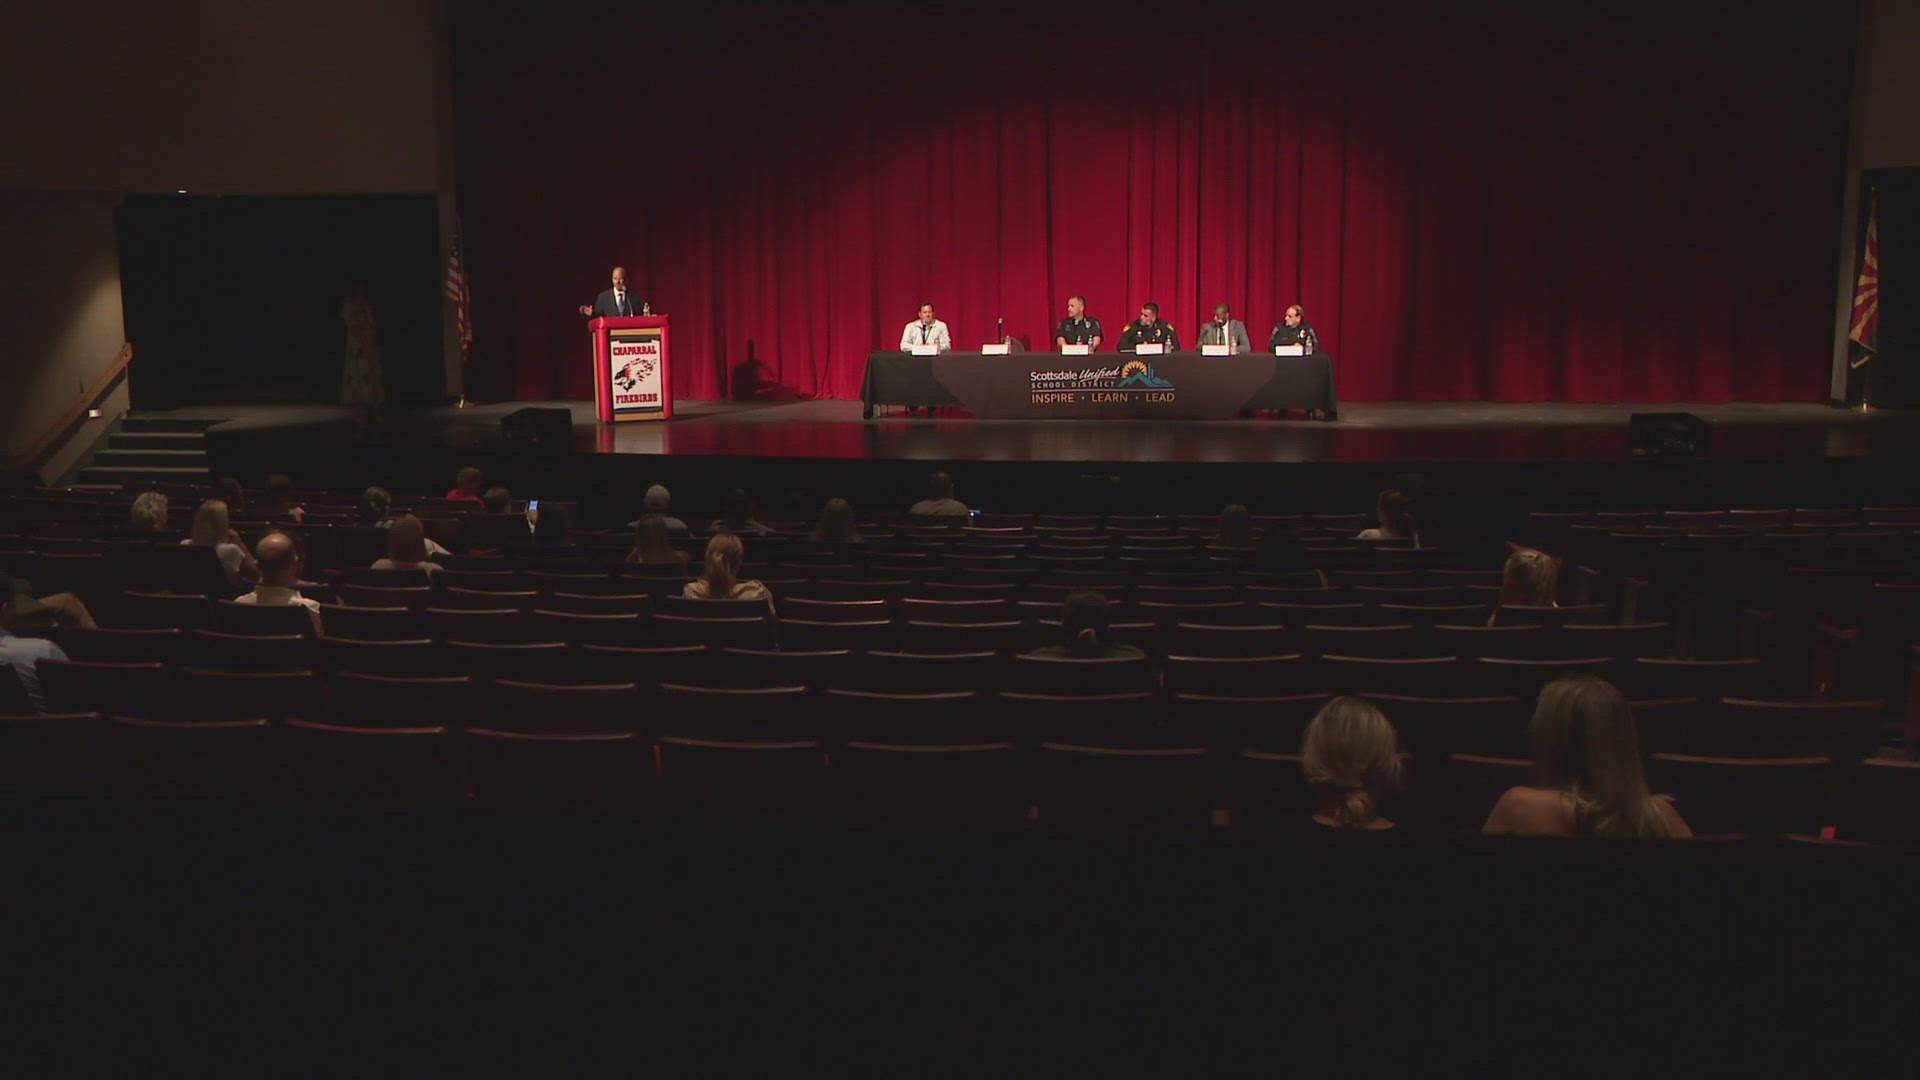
[
  {"x": 1295, "y": 331},
  {"x": 1149, "y": 329},
  {"x": 1078, "y": 328}
]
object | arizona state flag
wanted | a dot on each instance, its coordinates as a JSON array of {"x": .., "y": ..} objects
[{"x": 1865, "y": 327}]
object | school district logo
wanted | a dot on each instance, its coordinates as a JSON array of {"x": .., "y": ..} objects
[{"x": 1138, "y": 375}]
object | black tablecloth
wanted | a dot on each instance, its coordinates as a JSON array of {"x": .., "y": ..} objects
[{"x": 1032, "y": 386}]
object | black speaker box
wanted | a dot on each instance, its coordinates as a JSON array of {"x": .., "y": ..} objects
[
  {"x": 531, "y": 428},
  {"x": 1665, "y": 434}
]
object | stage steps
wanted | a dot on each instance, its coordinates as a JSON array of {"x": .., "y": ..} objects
[{"x": 151, "y": 448}]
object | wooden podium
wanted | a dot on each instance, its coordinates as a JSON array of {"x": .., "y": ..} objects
[{"x": 631, "y": 380}]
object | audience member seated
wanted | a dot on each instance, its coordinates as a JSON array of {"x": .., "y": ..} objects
[
  {"x": 280, "y": 565},
  {"x": 280, "y": 504},
  {"x": 58, "y": 610},
  {"x": 1351, "y": 757},
  {"x": 376, "y": 507},
  {"x": 1394, "y": 511},
  {"x": 1586, "y": 760},
  {"x": 210, "y": 529},
  {"x": 406, "y": 546},
  {"x": 939, "y": 501},
  {"x": 836, "y": 524},
  {"x": 1530, "y": 579},
  {"x": 737, "y": 515},
  {"x": 466, "y": 485},
  {"x": 22, "y": 653},
  {"x": 1236, "y": 528},
  {"x": 497, "y": 500},
  {"x": 1083, "y": 626},
  {"x": 228, "y": 490},
  {"x": 720, "y": 578},
  {"x": 150, "y": 512},
  {"x": 656, "y": 501},
  {"x": 653, "y": 544},
  {"x": 552, "y": 526}
]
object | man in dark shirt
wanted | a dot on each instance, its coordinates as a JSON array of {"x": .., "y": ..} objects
[
  {"x": 1295, "y": 331},
  {"x": 1148, "y": 330},
  {"x": 1078, "y": 328}
]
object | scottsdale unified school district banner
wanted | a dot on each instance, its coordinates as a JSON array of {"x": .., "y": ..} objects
[{"x": 634, "y": 370}]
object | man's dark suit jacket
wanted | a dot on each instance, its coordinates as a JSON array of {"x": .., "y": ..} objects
[{"x": 604, "y": 305}]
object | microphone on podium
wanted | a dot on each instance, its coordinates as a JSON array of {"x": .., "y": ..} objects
[{"x": 1000, "y": 329}]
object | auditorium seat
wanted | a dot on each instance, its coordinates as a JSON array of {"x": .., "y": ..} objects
[
  {"x": 1620, "y": 641},
  {"x": 753, "y": 632},
  {"x": 557, "y": 708},
  {"x": 1647, "y": 677},
  {"x": 1424, "y": 675},
  {"x": 213, "y": 758},
  {"x": 835, "y": 610},
  {"x": 1516, "y": 642},
  {"x": 414, "y": 598},
  {"x": 232, "y": 617},
  {"x": 607, "y": 771},
  {"x": 815, "y": 669},
  {"x": 486, "y": 599},
  {"x": 1099, "y": 788},
  {"x": 1551, "y": 616},
  {"x": 917, "y": 787},
  {"x": 756, "y": 712},
  {"x": 830, "y": 590},
  {"x": 1881, "y": 802},
  {"x": 163, "y": 611},
  {"x": 527, "y": 661},
  {"x": 767, "y": 783},
  {"x": 250, "y": 652},
  {"x": 1431, "y": 728},
  {"x": 1077, "y": 675},
  {"x": 51, "y": 753},
  {"x": 1209, "y": 639},
  {"x": 1846, "y": 731},
  {"x": 490, "y": 580},
  {"x": 381, "y": 764},
  {"x": 609, "y": 603},
  {"x": 999, "y": 636},
  {"x": 689, "y": 608},
  {"x": 122, "y": 645},
  {"x": 1524, "y": 678},
  {"x": 499, "y": 626},
  {"x": 1671, "y": 725},
  {"x": 646, "y": 666},
  {"x": 206, "y": 696},
  {"x": 389, "y": 579},
  {"x": 1721, "y": 796},
  {"x": 881, "y": 669},
  {"x": 120, "y": 689},
  {"x": 372, "y": 624},
  {"x": 1270, "y": 794},
  {"x": 920, "y": 716},
  {"x": 365, "y": 699},
  {"x": 1132, "y": 719},
  {"x": 417, "y": 658},
  {"x": 1425, "y": 616},
  {"x": 1257, "y": 674},
  {"x": 1474, "y": 784},
  {"x": 578, "y": 629},
  {"x": 1228, "y": 723}
]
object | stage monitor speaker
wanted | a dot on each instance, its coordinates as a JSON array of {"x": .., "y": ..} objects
[
  {"x": 1668, "y": 434},
  {"x": 535, "y": 428}
]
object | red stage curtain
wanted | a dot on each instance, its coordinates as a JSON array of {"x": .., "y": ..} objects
[{"x": 1619, "y": 202}]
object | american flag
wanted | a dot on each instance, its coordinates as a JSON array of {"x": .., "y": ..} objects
[
  {"x": 1865, "y": 327},
  {"x": 457, "y": 289}
]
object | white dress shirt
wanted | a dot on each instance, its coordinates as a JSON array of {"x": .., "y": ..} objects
[{"x": 934, "y": 335}]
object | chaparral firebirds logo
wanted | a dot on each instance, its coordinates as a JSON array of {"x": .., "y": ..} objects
[
  {"x": 632, "y": 364},
  {"x": 1132, "y": 381}
]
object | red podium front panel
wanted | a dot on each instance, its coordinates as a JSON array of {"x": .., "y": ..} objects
[{"x": 631, "y": 380}]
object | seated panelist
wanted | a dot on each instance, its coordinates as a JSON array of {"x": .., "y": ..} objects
[
  {"x": 926, "y": 330},
  {"x": 1224, "y": 329},
  {"x": 1149, "y": 329},
  {"x": 1295, "y": 331},
  {"x": 1078, "y": 328}
]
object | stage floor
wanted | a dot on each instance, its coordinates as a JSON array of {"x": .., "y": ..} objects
[{"x": 1379, "y": 432}]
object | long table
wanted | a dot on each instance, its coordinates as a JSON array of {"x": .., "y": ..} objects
[{"x": 1045, "y": 386}]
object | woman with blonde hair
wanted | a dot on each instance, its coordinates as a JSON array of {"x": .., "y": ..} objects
[
  {"x": 1589, "y": 780},
  {"x": 150, "y": 512},
  {"x": 406, "y": 546},
  {"x": 211, "y": 529},
  {"x": 836, "y": 524},
  {"x": 720, "y": 577},
  {"x": 1351, "y": 757},
  {"x": 1529, "y": 579}
]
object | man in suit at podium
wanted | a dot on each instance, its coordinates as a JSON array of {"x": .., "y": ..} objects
[{"x": 617, "y": 300}]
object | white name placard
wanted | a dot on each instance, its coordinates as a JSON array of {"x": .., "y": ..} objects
[
  {"x": 1150, "y": 349},
  {"x": 929, "y": 349},
  {"x": 1214, "y": 350},
  {"x": 995, "y": 349},
  {"x": 1076, "y": 350},
  {"x": 1289, "y": 350}
]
